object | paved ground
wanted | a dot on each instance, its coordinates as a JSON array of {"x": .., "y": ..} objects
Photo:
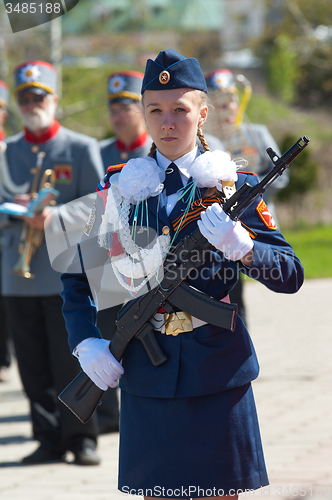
[{"x": 292, "y": 335}]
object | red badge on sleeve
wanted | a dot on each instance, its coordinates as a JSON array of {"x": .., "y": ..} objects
[{"x": 265, "y": 215}]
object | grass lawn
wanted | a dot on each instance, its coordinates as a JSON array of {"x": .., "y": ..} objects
[{"x": 313, "y": 245}]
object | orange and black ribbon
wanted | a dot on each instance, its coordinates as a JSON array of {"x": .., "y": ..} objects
[{"x": 194, "y": 213}]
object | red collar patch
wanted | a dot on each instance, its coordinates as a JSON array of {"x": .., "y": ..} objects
[
  {"x": 265, "y": 215},
  {"x": 138, "y": 142},
  {"x": 46, "y": 136}
]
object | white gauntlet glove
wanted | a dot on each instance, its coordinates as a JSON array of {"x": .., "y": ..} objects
[
  {"x": 98, "y": 362},
  {"x": 224, "y": 233}
]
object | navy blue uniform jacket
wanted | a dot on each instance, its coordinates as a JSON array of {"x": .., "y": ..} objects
[{"x": 209, "y": 359}]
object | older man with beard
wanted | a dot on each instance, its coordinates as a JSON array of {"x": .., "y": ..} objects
[{"x": 32, "y": 297}]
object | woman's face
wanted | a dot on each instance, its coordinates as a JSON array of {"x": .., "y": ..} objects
[{"x": 172, "y": 117}]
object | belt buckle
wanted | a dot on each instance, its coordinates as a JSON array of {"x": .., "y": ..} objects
[{"x": 178, "y": 322}]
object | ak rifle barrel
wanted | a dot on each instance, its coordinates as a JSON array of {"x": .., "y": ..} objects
[{"x": 280, "y": 164}]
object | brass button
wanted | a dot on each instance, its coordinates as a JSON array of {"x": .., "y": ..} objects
[
  {"x": 124, "y": 155},
  {"x": 164, "y": 77},
  {"x": 165, "y": 230},
  {"x": 35, "y": 149}
]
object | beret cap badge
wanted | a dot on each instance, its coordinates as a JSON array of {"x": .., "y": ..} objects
[{"x": 164, "y": 77}]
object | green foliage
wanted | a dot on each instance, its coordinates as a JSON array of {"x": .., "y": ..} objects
[
  {"x": 263, "y": 108},
  {"x": 282, "y": 119},
  {"x": 84, "y": 99},
  {"x": 298, "y": 33},
  {"x": 283, "y": 71},
  {"x": 313, "y": 247},
  {"x": 315, "y": 86},
  {"x": 303, "y": 173},
  {"x": 110, "y": 16}
]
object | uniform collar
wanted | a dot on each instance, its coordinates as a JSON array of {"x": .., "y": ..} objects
[
  {"x": 2, "y": 135},
  {"x": 138, "y": 142},
  {"x": 183, "y": 163},
  {"x": 46, "y": 136}
]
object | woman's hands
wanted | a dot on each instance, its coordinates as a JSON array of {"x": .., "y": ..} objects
[
  {"x": 98, "y": 362},
  {"x": 224, "y": 233}
]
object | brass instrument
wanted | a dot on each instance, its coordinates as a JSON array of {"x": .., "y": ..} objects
[
  {"x": 245, "y": 98},
  {"x": 32, "y": 238}
]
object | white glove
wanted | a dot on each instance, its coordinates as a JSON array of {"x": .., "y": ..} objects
[
  {"x": 224, "y": 233},
  {"x": 98, "y": 362}
]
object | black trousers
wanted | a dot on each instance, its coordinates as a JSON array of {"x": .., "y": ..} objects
[
  {"x": 5, "y": 355},
  {"x": 46, "y": 367}
]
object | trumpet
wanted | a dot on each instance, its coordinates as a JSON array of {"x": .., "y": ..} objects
[{"x": 32, "y": 238}]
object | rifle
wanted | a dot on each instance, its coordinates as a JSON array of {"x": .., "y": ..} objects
[{"x": 82, "y": 396}]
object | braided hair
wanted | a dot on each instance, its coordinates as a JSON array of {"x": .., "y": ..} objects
[
  {"x": 201, "y": 137},
  {"x": 153, "y": 149},
  {"x": 211, "y": 192}
]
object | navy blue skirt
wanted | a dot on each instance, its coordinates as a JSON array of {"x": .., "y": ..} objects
[{"x": 191, "y": 447}]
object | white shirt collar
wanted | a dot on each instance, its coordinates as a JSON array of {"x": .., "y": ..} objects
[{"x": 183, "y": 163}]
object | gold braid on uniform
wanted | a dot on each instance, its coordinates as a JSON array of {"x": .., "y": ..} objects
[
  {"x": 202, "y": 139},
  {"x": 153, "y": 149}
]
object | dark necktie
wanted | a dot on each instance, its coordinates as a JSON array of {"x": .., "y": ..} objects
[{"x": 173, "y": 181}]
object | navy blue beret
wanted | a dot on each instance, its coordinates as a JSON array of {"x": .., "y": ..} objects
[{"x": 171, "y": 70}]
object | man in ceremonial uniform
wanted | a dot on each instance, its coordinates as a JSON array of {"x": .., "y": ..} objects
[
  {"x": 241, "y": 139},
  {"x": 30, "y": 286},
  {"x": 4, "y": 340},
  {"x": 131, "y": 140}
]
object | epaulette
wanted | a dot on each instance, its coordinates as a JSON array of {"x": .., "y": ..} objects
[
  {"x": 115, "y": 168},
  {"x": 103, "y": 186}
]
